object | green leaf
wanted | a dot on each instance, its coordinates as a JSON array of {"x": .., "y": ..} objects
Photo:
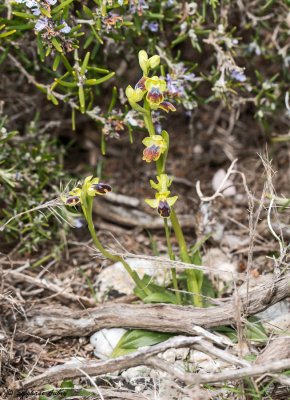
[
  {"x": 70, "y": 391},
  {"x": 40, "y": 47},
  {"x": 56, "y": 44},
  {"x": 166, "y": 297},
  {"x": 100, "y": 70},
  {"x": 101, "y": 80},
  {"x": 75, "y": 28},
  {"x": 113, "y": 100},
  {"x": 197, "y": 245},
  {"x": 66, "y": 63},
  {"x": 56, "y": 61},
  {"x": 88, "y": 12},
  {"x": 196, "y": 259},
  {"x": 158, "y": 293},
  {"x": 256, "y": 331},
  {"x": 24, "y": 15},
  {"x": 96, "y": 35},
  {"x": 103, "y": 144},
  {"x": 207, "y": 289},
  {"x": 89, "y": 41},
  {"x": 136, "y": 338},
  {"x": 250, "y": 357},
  {"x": 153, "y": 243},
  {"x": 66, "y": 84},
  {"x": 5, "y": 34},
  {"x": 61, "y": 6},
  {"x": 4, "y": 55},
  {"x": 84, "y": 64},
  {"x": 82, "y": 99},
  {"x": 73, "y": 118},
  {"x": 45, "y": 11},
  {"x": 180, "y": 39}
]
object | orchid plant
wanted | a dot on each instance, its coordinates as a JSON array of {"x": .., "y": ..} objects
[
  {"x": 84, "y": 195},
  {"x": 151, "y": 91}
]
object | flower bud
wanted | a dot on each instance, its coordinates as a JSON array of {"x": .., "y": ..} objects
[
  {"x": 134, "y": 95},
  {"x": 154, "y": 61},
  {"x": 144, "y": 62}
]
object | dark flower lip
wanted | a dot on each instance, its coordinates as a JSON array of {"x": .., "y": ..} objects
[
  {"x": 102, "y": 188},
  {"x": 154, "y": 96},
  {"x": 164, "y": 209},
  {"x": 141, "y": 84},
  {"x": 151, "y": 153},
  {"x": 72, "y": 200},
  {"x": 166, "y": 106}
]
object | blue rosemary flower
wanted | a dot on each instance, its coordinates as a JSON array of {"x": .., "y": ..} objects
[
  {"x": 239, "y": 76},
  {"x": 153, "y": 26},
  {"x": 66, "y": 28},
  {"x": 41, "y": 24}
]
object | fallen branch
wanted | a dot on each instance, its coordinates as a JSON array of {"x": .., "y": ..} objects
[
  {"x": 230, "y": 375},
  {"x": 67, "y": 297},
  {"x": 58, "y": 322},
  {"x": 73, "y": 370}
]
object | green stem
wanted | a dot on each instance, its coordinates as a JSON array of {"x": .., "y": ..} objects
[
  {"x": 192, "y": 282},
  {"x": 171, "y": 256},
  {"x": 107, "y": 254},
  {"x": 147, "y": 118}
]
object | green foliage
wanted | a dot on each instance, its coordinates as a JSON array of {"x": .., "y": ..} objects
[
  {"x": 29, "y": 167},
  {"x": 132, "y": 340},
  {"x": 254, "y": 331}
]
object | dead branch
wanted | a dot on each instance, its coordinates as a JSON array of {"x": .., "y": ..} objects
[
  {"x": 72, "y": 370},
  {"x": 220, "y": 188},
  {"x": 58, "y": 322},
  {"x": 43, "y": 283}
]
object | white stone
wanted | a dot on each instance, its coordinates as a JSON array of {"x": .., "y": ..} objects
[
  {"x": 217, "y": 259},
  {"x": 137, "y": 376},
  {"x": 105, "y": 340},
  {"x": 276, "y": 317},
  {"x": 122, "y": 281}
]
